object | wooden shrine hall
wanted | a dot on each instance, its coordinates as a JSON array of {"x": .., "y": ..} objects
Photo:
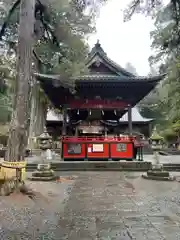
[
  {"x": 140, "y": 126},
  {"x": 101, "y": 98}
]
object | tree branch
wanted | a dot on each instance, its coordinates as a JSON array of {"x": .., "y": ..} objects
[{"x": 11, "y": 11}]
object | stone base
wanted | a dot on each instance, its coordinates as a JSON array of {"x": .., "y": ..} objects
[
  {"x": 158, "y": 175},
  {"x": 43, "y": 179},
  {"x": 44, "y": 174},
  {"x": 157, "y": 167}
]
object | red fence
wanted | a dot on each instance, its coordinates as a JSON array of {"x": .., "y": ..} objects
[
  {"x": 97, "y": 139},
  {"x": 97, "y": 148}
]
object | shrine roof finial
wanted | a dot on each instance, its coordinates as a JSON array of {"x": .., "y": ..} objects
[
  {"x": 98, "y": 43},
  {"x": 97, "y": 48}
]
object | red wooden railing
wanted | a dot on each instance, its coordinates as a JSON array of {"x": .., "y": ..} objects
[{"x": 97, "y": 139}]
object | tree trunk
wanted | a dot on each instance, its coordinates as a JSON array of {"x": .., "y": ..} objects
[
  {"x": 40, "y": 118},
  {"x": 32, "y": 113},
  {"x": 19, "y": 126},
  {"x": 38, "y": 115}
]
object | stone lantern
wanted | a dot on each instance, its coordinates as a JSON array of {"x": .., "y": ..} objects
[
  {"x": 156, "y": 142},
  {"x": 44, "y": 171},
  {"x": 157, "y": 172},
  {"x": 45, "y": 144}
]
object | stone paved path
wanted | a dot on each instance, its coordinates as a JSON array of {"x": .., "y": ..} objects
[
  {"x": 122, "y": 206},
  {"x": 95, "y": 206}
]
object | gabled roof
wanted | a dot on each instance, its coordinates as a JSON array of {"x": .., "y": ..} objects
[
  {"x": 106, "y": 79},
  {"x": 98, "y": 56},
  {"x": 136, "y": 116}
]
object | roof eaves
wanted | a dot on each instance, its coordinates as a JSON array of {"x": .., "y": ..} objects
[
  {"x": 51, "y": 77},
  {"x": 114, "y": 78}
]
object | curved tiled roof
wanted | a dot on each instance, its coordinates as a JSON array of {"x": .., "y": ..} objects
[
  {"x": 115, "y": 78},
  {"x": 136, "y": 116},
  {"x": 105, "y": 79},
  {"x": 95, "y": 77}
]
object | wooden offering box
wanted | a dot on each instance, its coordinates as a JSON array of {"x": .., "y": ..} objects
[{"x": 97, "y": 148}]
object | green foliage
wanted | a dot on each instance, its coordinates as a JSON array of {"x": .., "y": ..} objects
[
  {"x": 167, "y": 15},
  {"x": 146, "y": 7},
  {"x": 60, "y": 29},
  {"x": 169, "y": 135},
  {"x": 60, "y": 47},
  {"x": 176, "y": 127},
  {"x": 163, "y": 104},
  {"x": 151, "y": 7},
  {"x": 171, "y": 132}
]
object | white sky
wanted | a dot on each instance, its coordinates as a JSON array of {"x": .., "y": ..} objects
[{"x": 124, "y": 42}]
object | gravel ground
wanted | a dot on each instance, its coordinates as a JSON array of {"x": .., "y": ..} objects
[{"x": 24, "y": 218}]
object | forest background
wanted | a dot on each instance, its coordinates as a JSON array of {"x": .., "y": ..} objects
[{"x": 61, "y": 45}]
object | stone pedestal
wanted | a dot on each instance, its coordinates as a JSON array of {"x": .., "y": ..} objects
[
  {"x": 157, "y": 173},
  {"x": 43, "y": 173}
]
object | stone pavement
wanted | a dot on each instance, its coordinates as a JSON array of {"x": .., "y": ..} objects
[
  {"x": 121, "y": 206},
  {"x": 173, "y": 159},
  {"x": 97, "y": 206}
]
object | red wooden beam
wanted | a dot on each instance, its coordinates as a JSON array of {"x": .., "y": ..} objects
[{"x": 97, "y": 104}]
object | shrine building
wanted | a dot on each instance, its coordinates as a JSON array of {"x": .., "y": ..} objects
[
  {"x": 100, "y": 110},
  {"x": 140, "y": 126}
]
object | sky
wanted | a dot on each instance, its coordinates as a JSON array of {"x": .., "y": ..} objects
[{"x": 124, "y": 42}]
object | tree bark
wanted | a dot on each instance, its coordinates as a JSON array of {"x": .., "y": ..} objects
[
  {"x": 32, "y": 113},
  {"x": 19, "y": 126},
  {"x": 38, "y": 115}
]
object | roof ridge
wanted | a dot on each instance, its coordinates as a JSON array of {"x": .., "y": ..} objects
[{"x": 97, "y": 49}]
